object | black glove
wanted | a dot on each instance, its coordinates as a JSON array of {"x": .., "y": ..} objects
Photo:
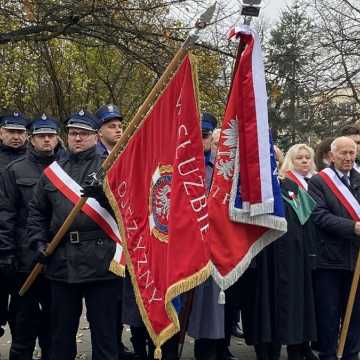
[
  {"x": 8, "y": 265},
  {"x": 92, "y": 190},
  {"x": 356, "y": 241},
  {"x": 41, "y": 256}
]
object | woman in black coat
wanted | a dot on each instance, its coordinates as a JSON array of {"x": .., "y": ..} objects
[{"x": 279, "y": 308}]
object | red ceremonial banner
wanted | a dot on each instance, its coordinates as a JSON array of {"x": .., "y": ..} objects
[
  {"x": 245, "y": 207},
  {"x": 156, "y": 187}
]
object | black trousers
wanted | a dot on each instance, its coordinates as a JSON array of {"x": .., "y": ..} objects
[
  {"x": 331, "y": 294},
  {"x": 144, "y": 347},
  {"x": 4, "y": 300},
  {"x": 209, "y": 349},
  {"x": 101, "y": 299},
  {"x": 29, "y": 318}
]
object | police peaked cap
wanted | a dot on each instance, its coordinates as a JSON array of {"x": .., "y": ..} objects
[
  {"x": 83, "y": 120},
  {"x": 14, "y": 121},
  {"x": 108, "y": 112},
  {"x": 44, "y": 125},
  {"x": 208, "y": 121}
]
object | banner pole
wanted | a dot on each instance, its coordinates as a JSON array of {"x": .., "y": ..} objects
[
  {"x": 53, "y": 245},
  {"x": 201, "y": 23},
  {"x": 159, "y": 86},
  {"x": 349, "y": 308}
]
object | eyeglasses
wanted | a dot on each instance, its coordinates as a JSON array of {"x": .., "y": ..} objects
[{"x": 80, "y": 134}]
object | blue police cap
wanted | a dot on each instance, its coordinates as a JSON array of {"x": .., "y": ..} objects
[
  {"x": 14, "y": 121},
  {"x": 83, "y": 120},
  {"x": 208, "y": 121},
  {"x": 44, "y": 125},
  {"x": 108, "y": 112}
]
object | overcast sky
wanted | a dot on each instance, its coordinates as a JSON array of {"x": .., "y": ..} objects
[{"x": 271, "y": 8}]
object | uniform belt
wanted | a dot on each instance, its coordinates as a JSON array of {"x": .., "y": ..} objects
[{"x": 76, "y": 237}]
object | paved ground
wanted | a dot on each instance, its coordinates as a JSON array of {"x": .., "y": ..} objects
[{"x": 238, "y": 347}]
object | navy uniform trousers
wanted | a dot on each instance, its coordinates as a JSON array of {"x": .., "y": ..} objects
[
  {"x": 332, "y": 289},
  {"x": 29, "y": 318},
  {"x": 102, "y": 314}
]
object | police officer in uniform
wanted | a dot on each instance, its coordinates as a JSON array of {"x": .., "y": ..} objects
[
  {"x": 109, "y": 133},
  {"x": 78, "y": 269},
  {"x": 13, "y": 139},
  {"x": 111, "y": 127},
  {"x": 206, "y": 323},
  {"x": 28, "y": 315}
]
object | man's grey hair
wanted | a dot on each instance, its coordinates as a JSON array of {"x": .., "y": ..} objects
[{"x": 334, "y": 144}]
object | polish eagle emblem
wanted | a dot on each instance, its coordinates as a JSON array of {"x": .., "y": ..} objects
[
  {"x": 159, "y": 202},
  {"x": 226, "y": 155}
]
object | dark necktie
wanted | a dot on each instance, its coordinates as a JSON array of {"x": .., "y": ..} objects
[
  {"x": 306, "y": 179},
  {"x": 345, "y": 179}
]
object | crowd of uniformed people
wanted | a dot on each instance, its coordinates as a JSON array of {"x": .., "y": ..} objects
[{"x": 293, "y": 294}]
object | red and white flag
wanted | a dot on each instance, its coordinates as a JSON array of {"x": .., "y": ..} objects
[
  {"x": 156, "y": 187},
  {"x": 245, "y": 206}
]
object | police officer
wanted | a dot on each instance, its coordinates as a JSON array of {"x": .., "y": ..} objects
[
  {"x": 206, "y": 323},
  {"x": 78, "y": 269},
  {"x": 110, "y": 131},
  {"x": 13, "y": 137},
  {"x": 12, "y": 146},
  {"x": 28, "y": 315},
  {"x": 208, "y": 125},
  {"x": 111, "y": 127}
]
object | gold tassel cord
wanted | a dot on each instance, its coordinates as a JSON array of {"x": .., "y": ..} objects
[{"x": 117, "y": 268}]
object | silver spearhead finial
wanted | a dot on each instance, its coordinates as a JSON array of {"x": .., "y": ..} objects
[
  {"x": 203, "y": 21},
  {"x": 205, "y": 17}
]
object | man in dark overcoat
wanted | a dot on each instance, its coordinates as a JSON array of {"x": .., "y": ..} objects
[
  {"x": 338, "y": 242},
  {"x": 79, "y": 267},
  {"x": 28, "y": 315},
  {"x": 12, "y": 145}
]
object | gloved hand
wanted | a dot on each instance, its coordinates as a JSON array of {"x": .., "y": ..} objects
[
  {"x": 356, "y": 241},
  {"x": 92, "y": 190},
  {"x": 8, "y": 265},
  {"x": 41, "y": 256}
]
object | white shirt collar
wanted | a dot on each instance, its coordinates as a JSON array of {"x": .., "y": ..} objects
[
  {"x": 341, "y": 174},
  {"x": 356, "y": 167}
]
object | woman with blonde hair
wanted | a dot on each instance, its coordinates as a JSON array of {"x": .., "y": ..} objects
[
  {"x": 294, "y": 257},
  {"x": 298, "y": 165}
]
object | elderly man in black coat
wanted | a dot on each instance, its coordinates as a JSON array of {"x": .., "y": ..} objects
[{"x": 338, "y": 241}]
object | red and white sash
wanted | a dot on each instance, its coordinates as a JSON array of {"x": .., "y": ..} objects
[
  {"x": 72, "y": 191},
  {"x": 297, "y": 178},
  {"x": 342, "y": 192}
]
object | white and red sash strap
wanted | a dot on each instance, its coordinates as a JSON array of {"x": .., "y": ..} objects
[
  {"x": 72, "y": 191},
  {"x": 342, "y": 193},
  {"x": 297, "y": 179}
]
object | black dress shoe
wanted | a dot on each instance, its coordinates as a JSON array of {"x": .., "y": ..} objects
[
  {"x": 237, "y": 331},
  {"x": 308, "y": 353},
  {"x": 228, "y": 355},
  {"x": 126, "y": 354}
]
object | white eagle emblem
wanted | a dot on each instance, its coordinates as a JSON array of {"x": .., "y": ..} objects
[
  {"x": 163, "y": 202},
  {"x": 226, "y": 159}
]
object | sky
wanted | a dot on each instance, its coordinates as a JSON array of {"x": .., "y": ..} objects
[{"x": 271, "y": 8}]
